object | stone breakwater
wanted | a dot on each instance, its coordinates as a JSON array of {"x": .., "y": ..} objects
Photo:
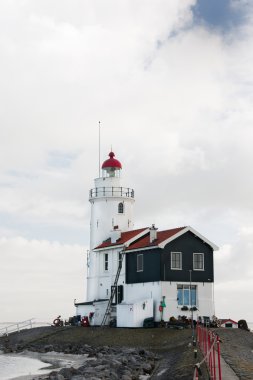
[
  {"x": 108, "y": 363},
  {"x": 161, "y": 354},
  {"x": 127, "y": 354}
]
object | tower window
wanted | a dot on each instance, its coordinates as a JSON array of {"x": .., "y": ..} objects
[
  {"x": 120, "y": 259},
  {"x": 121, "y": 208},
  {"x": 106, "y": 261}
]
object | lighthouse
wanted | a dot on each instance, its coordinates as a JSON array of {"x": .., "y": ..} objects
[
  {"x": 111, "y": 213},
  {"x": 141, "y": 274}
]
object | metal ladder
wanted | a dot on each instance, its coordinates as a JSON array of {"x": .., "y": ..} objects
[{"x": 114, "y": 288}]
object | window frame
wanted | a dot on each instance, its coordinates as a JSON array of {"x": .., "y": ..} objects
[
  {"x": 139, "y": 268},
  {"x": 195, "y": 254},
  {"x": 171, "y": 261}
]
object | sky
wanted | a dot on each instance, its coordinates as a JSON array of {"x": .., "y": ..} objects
[{"x": 172, "y": 84}]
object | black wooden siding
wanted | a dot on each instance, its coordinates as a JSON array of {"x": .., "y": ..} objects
[
  {"x": 157, "y": 262},
  {"x": 151, "y": 266}
]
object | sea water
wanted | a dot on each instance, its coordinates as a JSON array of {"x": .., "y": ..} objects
[
  {"x": 12, "y": 366},
  {"x": 250, "y": 326}
]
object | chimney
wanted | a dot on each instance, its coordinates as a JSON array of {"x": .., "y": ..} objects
[
  {"x": 115, "y": 234},
  {"x": 153, "y": 233}
]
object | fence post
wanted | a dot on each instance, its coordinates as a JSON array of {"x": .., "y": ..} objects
[
  {"x": 218, "y": 351},
  {"x": 214, "y": 354}
]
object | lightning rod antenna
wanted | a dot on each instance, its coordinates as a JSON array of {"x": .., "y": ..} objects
[{"x": 99, "y": 127}]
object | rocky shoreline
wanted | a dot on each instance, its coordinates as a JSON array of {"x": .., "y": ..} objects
[{"x": 128, "y": 354}]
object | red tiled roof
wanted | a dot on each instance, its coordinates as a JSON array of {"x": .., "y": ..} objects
[
  {"x": 144, "y": 242},
  {"x": 228, "y": 320},
  {"x": 125, "y": 236}
]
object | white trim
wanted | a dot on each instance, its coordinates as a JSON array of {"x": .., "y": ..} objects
[
  {"x": 180, "y": 261},
  {"x": 198, "y": 253},
  {"x": 141, "y": 249},
  {"x": 182, "y": 232},
  {"x": 108, "y": 248},
  {"x": 140, "y": 234}
]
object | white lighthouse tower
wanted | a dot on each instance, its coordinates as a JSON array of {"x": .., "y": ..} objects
[{"x": 111, "y": 213}]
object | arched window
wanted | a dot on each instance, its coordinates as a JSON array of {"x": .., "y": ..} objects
[{"x": 121, "y": 208}]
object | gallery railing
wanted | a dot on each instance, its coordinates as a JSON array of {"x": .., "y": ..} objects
[{"x": 111, "y": 192}]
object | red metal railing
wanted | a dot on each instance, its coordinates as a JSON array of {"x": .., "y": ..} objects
[{"x": 209, "y": 344}]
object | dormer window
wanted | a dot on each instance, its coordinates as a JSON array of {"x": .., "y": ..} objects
[{"x": 121, "y": 208}]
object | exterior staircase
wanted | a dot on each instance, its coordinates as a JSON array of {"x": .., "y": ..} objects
[{"x": 113, "y": 292}]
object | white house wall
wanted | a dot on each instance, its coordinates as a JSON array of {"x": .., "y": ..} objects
[
  {"x": 204, "y": 300},
  {"x": 84, "y": 310},
  {"x": 103, "y": 280},
  {"x": 157, "y": 290},
  {"x": 142, "y": 291},
  {"x": 133, "y": 314}
]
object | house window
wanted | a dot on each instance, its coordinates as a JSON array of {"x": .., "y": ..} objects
[
  {"x": 186, "y": 295},
  {"x": 176, "y": 260},
  {"x": 106, "y": 262},
  {"x": 121, "y": 208},
  {"x": 140, "y": 262},
  {"x": 198, "y": 261},
  {"x": 118, "y": 294},
  {"x": 120, "y": 259}
]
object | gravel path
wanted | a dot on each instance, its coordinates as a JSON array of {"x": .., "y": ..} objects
[{"x": 237, "y": 351}]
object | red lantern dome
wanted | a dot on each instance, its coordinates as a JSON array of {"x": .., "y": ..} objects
[{"x": 112, "y": 163}]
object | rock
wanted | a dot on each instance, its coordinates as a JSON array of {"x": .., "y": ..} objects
[
  {"x": 147, "y": 368},
  {"x": 124, "y": 361},
  {"x": 48, "y": 348},
  {"x": 67, "y": 373},
  {"x": 126, "y": 377},
  {"x": 59, "y": 377}
]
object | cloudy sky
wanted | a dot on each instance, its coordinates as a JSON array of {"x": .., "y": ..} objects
[{"x": 172, "y": 84}]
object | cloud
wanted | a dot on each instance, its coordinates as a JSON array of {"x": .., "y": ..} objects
[
  {"x": 39, "y": 279},
  {"x": 175, "y": 102},
  {"x": 234, "y": 277}
]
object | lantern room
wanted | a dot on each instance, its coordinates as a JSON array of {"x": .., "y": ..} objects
[{"x": 111, "y": 167}]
